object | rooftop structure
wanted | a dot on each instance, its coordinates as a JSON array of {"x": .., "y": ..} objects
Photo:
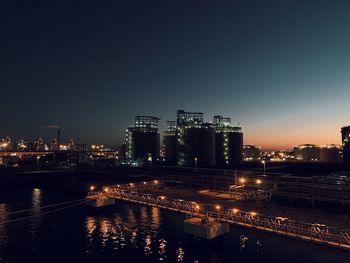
[
  {"x": 142, "y": 139},
  {"x": 228, "y": 142}
]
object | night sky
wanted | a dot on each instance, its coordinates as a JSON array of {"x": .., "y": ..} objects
[{"x": 280, "y": 68}]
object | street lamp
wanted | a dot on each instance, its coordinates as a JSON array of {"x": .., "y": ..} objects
[
  {"x": 150, "y": 159},
  {"x": 195, "y": 162},
  {"x": 37, "y": 161},
  {"x": 92, "y": 188},
  {"x": 264, "y": 163},
  {"x": 242, "y": 180}
]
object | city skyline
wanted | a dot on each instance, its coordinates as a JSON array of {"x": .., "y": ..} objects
[
  {"x": 265, "y": 145},
  {"x": 279, "y": 69}
]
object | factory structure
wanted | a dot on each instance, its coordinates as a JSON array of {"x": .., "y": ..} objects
[
  {"x": 169, "y": 142},
  {"x": 307, "y": 152},
  {"x": 142, "y": 138},
  {"x": 195, "y": 144},
  {"x": 331, "y": 153},
  {"x": 251, "y": 153},
  {"x": 189, "y": 141},
  {"x": 325, "y": 153},
  {"x": 345, "y": 136},
  {"x": 228, "y": 142}
]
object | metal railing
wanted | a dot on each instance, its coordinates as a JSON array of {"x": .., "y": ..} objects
[{"x": 317, "y": 233}]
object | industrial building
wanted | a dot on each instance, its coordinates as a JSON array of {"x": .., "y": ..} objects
[
  {"x": 228, "y": 142},
  {"x": 195, "y": 140},
  {"x": 345, "y": 135},
  {"x": 169, "y": 142},
  {"x": 307, "y": 152},
  {"x": 330, "y": 153},
  {"x": 251, "y": 153},
  {"x": 188, "y": 141},
  {"x": 142, "y": 139}
]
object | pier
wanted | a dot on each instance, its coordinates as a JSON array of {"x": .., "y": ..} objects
[{"x": 312, "y": 232}]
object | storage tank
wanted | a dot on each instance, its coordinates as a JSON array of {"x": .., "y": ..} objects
[
  {"x": 330, "y": 153},
  {"x": 345, "y": 132},
  {"x": 228, "y": 142},
  {"x": 199, "y": 146},
  {"x": 142, "y": 139},
  {"x": 307, "y": 152},
  {"x": 169, "y": 141},
  {"x": 346, "y": 154},
  {"x": 184, "y": 121}
]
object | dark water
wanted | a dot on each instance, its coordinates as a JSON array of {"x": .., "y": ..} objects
[{"x": 132, "y": 233}]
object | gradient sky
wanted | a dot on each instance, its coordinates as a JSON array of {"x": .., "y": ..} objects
[{"x": 280, "y": 68}]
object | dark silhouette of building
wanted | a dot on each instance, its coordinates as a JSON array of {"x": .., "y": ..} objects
[
  {"x": 307, "y": 152},
  {"x": 345, "y": 135},
  {"x": 142, "y": 139},
  {"x": 251, "y": 153},
  {"x": 228, "y": 142},
  {"x": 200, "y": 145},
  {"x": 122, "y": 150},
  {"x": 170, "y": 141},
  {"x": 195, "y": 140},
  {"x": 330, "y": 154}
]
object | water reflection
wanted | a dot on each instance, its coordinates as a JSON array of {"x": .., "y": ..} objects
[
  {"x": 155, "y": 218},
  {"x": 259, "y": 248},
  {"x": 36, "y": 210},
  {"x": 162, "y": 249},
  {"x": 126, "y": 229},
  {"x": 90, "y": 223},
  {"x": 129, "y": 233},
  {"x": 105, "y": 230},
  {"x": 3, "y": 233},
  {"x": 180, "y": 254},
  {"x": 242, "y": 242},
  {"x": 148, "y": 245},
  {"x": 144, "y": 220},
  {"x": 141, "y": 229}
]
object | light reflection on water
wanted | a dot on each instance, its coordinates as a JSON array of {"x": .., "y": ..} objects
[
  {"x": 35, "y": 220},
  {"x": 125, "y": 229},
  {"x": 139, "y": 228},
  {"x": 3, "y": 232},
  {"x": 128, "y": 232},
  {"x": 162, "y": 249},
  {"x": 180, "y": 254}
]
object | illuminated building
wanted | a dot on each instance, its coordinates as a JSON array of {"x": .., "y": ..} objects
[
  {"x": 6, "y": 144},
  {"x": 345, "y": 135},
  {"x": 54, "y": 145},
  {"x": 80, "y": 147},
  {"x": 142, "y": 139},
  {"x": 71, "y": 144},
  {"x": 195, "y": 140},
  {"x": 228, "y": 142},
  {"x": 251, "y": 153},
  {"x": 169, "y": 141},
  {"x": 39, "y": 145},
  {"x": 278, "y": 155},
  {"x": 307, "y": 152},
  {"x": 330, "y": 153}
]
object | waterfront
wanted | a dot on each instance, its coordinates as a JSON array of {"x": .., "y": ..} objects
[{"x": 134, "y": 233}]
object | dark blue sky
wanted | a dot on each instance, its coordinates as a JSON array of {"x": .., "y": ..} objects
[{"x": 280, "y": 68}]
